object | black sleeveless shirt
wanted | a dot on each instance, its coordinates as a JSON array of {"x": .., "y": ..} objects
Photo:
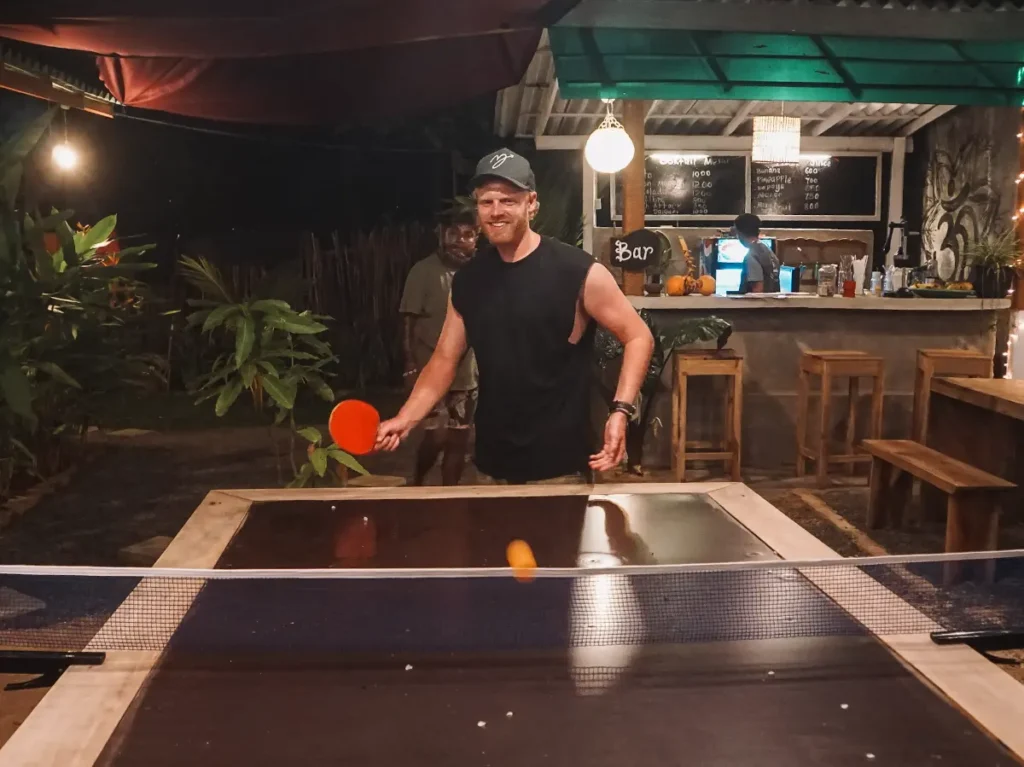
[{"x": 532, "y": 418}]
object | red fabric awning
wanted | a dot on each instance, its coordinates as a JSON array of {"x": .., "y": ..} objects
[{"x": 313, "y": 62}]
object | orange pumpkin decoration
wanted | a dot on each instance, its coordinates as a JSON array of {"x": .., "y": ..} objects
[
  {"x": 675, "y": 285},
  {"x": 706, "y": 285}
]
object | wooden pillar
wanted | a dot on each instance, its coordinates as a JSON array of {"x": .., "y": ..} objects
[
  {"x": 898, "y": 168},
  {"x": 633, "y": 117}
]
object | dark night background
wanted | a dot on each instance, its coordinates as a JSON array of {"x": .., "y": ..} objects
[{"x": 186, "y": 178}]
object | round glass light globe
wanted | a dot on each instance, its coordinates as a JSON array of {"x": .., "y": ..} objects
[{"x": 609, "y": 150}]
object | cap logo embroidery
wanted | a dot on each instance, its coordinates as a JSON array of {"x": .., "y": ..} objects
[{"x": 499, "y": 159}]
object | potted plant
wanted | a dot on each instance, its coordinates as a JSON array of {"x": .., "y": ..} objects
[{"x": 992, "y": 261}]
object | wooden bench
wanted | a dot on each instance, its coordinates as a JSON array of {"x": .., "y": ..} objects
[{"x": 972, "y": 508}]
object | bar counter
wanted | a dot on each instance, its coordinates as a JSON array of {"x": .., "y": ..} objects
[{"x": 771, "y": 334}]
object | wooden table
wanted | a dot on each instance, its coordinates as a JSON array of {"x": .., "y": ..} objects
[{"x": 981, "y": 421}]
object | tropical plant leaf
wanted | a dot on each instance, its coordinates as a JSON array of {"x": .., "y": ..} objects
[
  {"x": 14, "y": 151},
  {"x": 310, "y": 434},
  {"x": 318, "y": 458},
  {"x": 122, "y": 269},
  {"x": 218, "y": 316},
  {"x": 17, "y": 390},
  {"x": 203, "y": 275},
  {"x": 96, "y": 235},
  {"x": 345, "y": 459},
  {"x": 197, "y": 318},
  {"x": 244, "y": 339},
  {"x": 271, "y": 305},
  {"x": 282, "y": 413},
  {"x": 20, "y": 446},
  {"x": 249, "y": 371},
  {"x": 287, "y": 354},
  {"x": 126, "y": 254},
  {"x": 295, "y": 323},
  {"x": 303, "y": 477},
  {"x": 57, "y": 373},
  {"x": 283, "y": 394},
  {"x": 228, "y": 394},
  {"x": 320, "y": 387},
  {"x": 268, "y": 367},
  {"x": 66, "y": 238}
]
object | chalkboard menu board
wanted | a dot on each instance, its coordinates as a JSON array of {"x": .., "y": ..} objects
[
  {"x": 836, "y": 187},
  {"x": 682, "y": 185}
]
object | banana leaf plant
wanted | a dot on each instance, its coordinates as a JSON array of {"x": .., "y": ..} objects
[
  {"x": 269, "y": 350},
  {"x": 66, "y": 322},
  {"x": 668, "y": 337}
]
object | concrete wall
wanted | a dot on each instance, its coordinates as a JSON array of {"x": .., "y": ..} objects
[
  {"x": 970, "y": 161},
  {"x": 771, "y": 341}
]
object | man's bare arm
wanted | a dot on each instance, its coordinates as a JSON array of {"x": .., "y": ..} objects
[
  {"x": 606, "y": 303},
  {"x": 439, "y": 372},
  {"x": 755, "y": 287}
]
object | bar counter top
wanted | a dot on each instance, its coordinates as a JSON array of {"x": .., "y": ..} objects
[
  {"x": 772, "y": 333},
  {"x": 810, "y": 301}
]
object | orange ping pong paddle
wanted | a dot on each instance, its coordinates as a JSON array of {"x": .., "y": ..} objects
[{"x": 353, "y": 426}]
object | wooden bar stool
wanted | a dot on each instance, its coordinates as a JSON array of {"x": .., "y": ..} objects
[
  {"x": 828, "y": 365},
  {"x": 707, "y": 363},
  {"x": 962, "y": 363}
]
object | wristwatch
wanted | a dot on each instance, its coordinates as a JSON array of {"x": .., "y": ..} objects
[{"x": 626, "y": 408}]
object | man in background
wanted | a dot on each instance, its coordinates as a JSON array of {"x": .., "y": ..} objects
[
  {"x": 423, "y": 308},
  {"x": 760, "y": 266}
]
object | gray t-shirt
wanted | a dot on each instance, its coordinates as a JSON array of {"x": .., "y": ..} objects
[
  {"x": 761, "y": 265},
  {"x": 426, "y": 298}
]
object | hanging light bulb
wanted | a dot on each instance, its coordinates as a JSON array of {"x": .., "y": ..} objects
[
  {"x": 609, "y": 148},
  {"x": 64, "y": 156}
]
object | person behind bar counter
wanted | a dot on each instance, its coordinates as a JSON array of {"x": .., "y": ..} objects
[
  {"x": 760, "y": 266},
  {"x": 528, "y": 305}
]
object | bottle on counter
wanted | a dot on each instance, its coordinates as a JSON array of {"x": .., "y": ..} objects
[
  {"x": 876, "y": 284},
  {"x": 827, "y": 274}
]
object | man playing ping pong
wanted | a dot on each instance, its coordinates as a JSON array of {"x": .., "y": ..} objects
[{"x": 528, "y": 306}]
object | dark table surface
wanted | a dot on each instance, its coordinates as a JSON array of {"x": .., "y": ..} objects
[{"x": 480, "y": 672}]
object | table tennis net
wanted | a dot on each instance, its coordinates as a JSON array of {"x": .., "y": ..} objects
[{"x": 361, "y": 611}]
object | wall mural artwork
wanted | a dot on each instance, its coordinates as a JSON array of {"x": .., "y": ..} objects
[{"x": 968, "y": 189}]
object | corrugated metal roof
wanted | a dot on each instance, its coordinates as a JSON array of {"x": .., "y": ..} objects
[
  {"x": 522, "y": 109},
  {"x": 21, "y": 73},
  {"x": 14, "y": 60},
  {"x": 917, "y": 19}
]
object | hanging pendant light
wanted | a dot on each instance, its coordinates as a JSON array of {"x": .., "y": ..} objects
[
  {"x": 609, "y": 148},
  {"x": 776, "y": 139}
]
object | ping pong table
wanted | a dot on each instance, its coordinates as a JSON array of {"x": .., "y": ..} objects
[{"x": 465, "y": 670}]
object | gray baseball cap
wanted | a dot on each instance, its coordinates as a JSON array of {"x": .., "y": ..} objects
[{"x": 504, "y": 165}]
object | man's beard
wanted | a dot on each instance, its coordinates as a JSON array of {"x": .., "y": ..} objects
[
  {"x": 456, "y": 258},
  {"x": 513, "y": 231}
]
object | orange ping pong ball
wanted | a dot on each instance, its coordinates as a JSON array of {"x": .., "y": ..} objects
[{"x": 521, "y": 560}]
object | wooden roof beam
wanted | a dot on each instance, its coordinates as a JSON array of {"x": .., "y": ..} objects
[
  {"x": 930, "y": 116},
  {"x": 839, "y": 113},
  {"x": 738, "y": 119},
  {"x": 546, "y": 105}
]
